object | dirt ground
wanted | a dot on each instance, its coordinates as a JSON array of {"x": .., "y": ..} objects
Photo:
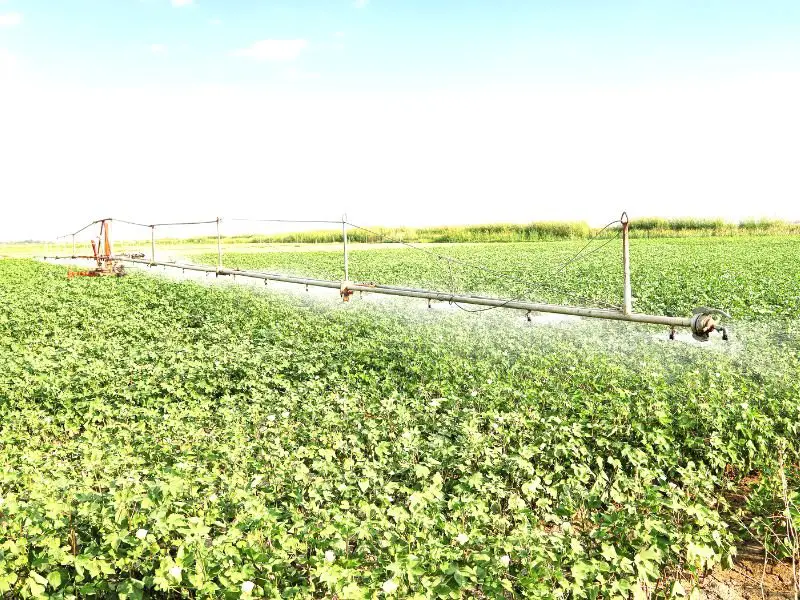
[{"x": 749, "y": 579}]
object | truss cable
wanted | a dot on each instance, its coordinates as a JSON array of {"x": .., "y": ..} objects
[
  {"x": 563, "y": 266},
  {"x": 131, "y": 223},
  {"x": 182, "y": 223},
  {"x": 84, "y": 228},
  {"x": 591, "y": 239},
  {"x": 287, "y": 221},
  {"x": 501, "y": 274},
  {"x": 473, "y": 265}
]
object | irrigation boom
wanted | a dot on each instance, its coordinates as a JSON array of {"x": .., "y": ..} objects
[
  {"x": 349, "y": 287},
  {"x": 702, "y": 322},
  {"x": 699, "y": 323}
]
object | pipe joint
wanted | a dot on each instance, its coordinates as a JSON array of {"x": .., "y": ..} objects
[{"x": 705, "y": 321}]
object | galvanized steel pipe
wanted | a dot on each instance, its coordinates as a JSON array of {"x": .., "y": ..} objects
[{"x": 577, "y": 311}]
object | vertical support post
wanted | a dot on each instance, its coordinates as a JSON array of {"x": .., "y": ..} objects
[
  {"x": 219, "y": 248},
  {"x": 152, "y": 243},
  {"x": 73, "y": 245},
  {"x": 344, "y": 240},
  {"x": 107, "y": 247},
  {"x": 627, "y": 301}
]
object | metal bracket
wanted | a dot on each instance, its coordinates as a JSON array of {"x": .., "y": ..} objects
[{"x": 344, "y": 291}]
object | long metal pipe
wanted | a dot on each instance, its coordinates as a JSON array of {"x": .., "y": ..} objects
[
  {"x": 578, "y": 311},
  {"x": 152, "y": 242}
]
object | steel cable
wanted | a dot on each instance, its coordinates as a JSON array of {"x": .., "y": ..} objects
[
  {"x": 82, "y": 229},
  {"x": 287, "y": 221},
  {"x": 565, "y": 265},
  {"x": 130, "y": 223},
  {"x": 182, "y": 223},
  {"x": 503, "y": 275}
]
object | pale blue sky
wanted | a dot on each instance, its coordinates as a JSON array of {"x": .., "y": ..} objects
[
  {"x": 404, "y": 44},
  {"x": 399, "y": 111}
]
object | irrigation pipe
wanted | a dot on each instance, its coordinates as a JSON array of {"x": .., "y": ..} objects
[{"x": 576, "y": 311}]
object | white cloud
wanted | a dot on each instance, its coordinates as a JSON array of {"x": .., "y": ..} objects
[
  {"x": 215, "y": 22},
  {"x": 339, "y": 34},
  {"x": 179, "y": 3},
  {"x": 10, "y": 19},
  {"x": 360, "y": 3},
  {"x": 272, "y": 50},
  {"x": 158, "y": 49}
]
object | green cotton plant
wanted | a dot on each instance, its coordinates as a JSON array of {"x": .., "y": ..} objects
[
  {"x": 172, "y": 439},
  {"x": 772, "y": 514}
]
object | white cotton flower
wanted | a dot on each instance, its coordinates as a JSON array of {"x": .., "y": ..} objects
[
  {"x": 175, "y": 573},
  {"x": 505, "y": 560},
  {"x": 247, "y": 587},
  {"x": 435, "y": 402},
  {"x": 389, "y": 586},
  {"x": 490, "y": 381},
  {"x": 141, "y": 534},
  {"x": 270, "y": 418},
  {"x": 213, "y": 498},
  {"x": 462, "y": 538},
  {"x": 474, "y": 393},
  {"x": 330, "y": 556},
  {"x": 285, "y": 414}
]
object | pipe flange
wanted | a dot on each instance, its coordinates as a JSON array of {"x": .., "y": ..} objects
[
  {"x": 702, "y": 325},
  {"x": 706, "y": 320}
]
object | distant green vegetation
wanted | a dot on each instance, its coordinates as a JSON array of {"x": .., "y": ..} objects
[
  {"x": 542, "y": 231},
  {"x": 512, "y": 232}
]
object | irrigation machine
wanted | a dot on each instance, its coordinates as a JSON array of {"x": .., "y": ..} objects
[{"x": 702, "y": 323}]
